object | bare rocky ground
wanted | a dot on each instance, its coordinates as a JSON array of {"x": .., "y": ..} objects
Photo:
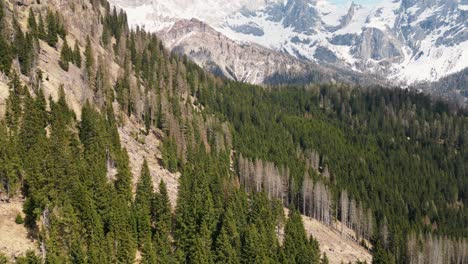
[
  {"x": 336, "y": 241},
  {"x": 339, "y": 248},
  {"x": 139, "y": 147},
  {"x": 14, "y": 239}
]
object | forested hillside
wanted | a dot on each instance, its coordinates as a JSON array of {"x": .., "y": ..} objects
[{"x": 388, "y": 164}]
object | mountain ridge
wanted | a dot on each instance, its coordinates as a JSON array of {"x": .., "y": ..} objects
[{"x": 405, "y": 41}]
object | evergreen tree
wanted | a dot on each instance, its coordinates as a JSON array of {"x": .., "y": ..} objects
[
  {"x": 5, "y": 55},
  {"x": 10, "y": 176},
  {"x": 324, "y": 259},
  {"x": 3, "y": 258},
  {"x": 143, "y": 199},
  {"x": 297, "y": 248},
  {"x": 251, "y": 247},
  {"x": 24, "y": 48},
  {"x": 14, "y": 104},
  {"x": 89, "y": 57},
  {"x": 41, "y": 31},
  {"x": 162, "y": 216},
  {"x": 52, "y": 29},
  {"x": 121, "y": 232},
  {"x": 65, "y": 56},
  {"x": 29, "y": 258},
  {"x": 61, "y": 31},
  {"x": 201, "y": 253},
  {"x": 32, "y": 24},
  {"x": 2, "y": 13},
  {"x": 123, "y": 183},
  {"x": 77, "y": 55},
  {"x": 228, "y": 242},
  {"x": 149, "y": 255},
  {"x": 225, "y": 252}
]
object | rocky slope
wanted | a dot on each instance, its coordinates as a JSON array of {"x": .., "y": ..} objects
[{"x": 250, "y": 63}]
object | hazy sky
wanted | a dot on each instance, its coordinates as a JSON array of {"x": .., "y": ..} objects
[{"x": 362, "y": 2}]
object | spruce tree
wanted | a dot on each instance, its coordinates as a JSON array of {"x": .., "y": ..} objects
[
  {"x": 41, "y": 32},
  {"x": 52, "y": 29},
  {"x": 324, "y": 259},
  {"x": 14, "y": 104},
  {"x": 123, "y": 183},
  {"x": 89, "y": 57},
  {"x": 2, "y": 14},
  {"x": 228, "y": 244},
  {"x": 32, "y": 24},
  {"x": 225, "y": 252},
  {"x": 162, "y": 220},
  {"x": 24, "y": 48},
  {"x": 5, "y": 55},
  {"x": 61, "y": 31},
  {"x": 251, "y": 247},
  {"x": 148, "y": 251},
  {"x": 65, "y": 56},
  {"x": 143, "y": 199},
  {"x": 77, "y": 55},
  {"x": 296, "y": 245}
]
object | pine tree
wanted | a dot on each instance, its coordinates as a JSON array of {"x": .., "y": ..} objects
[
  {"x": 297, "y": 247},
  {"x": 10, "y": 176},
  {"x": 123, "y": 183},
  {"x": 324, "y": 259},
  {"x": 251, "y": 248},
  {"x": 121, "y": 232},
  {"x": 201, "y": 253},
  {"x": 32, "y": 24},
  {"x": 14, "y": 103},
  {"x": 65, "y": 56},
  {"x": 24, "y": 48},
  {"x": 228, "y": 242},
  {"x": 149, "y": 255},
  {"x": 89, "y": 57},
  {"x": 162, "y": 220},
  {"x": 225, "y": 252},
  {"x": 77, "y": 55},
  {"x": 52, "y": 29},
  {"x": 143, "y": 199},
  {"x": 29, "y": 258},
  {"x": 162, "y": 208},
  {"x": 60, "y": 26},
  {"x": 5, "y": 55},
  {"x": 2, "y": 14},
  {"x": 41, "y": 32}
]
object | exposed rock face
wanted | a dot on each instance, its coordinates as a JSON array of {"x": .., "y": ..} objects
[
  {"x": 405, "y": 41},
  {"x": 241, "y": 62},
  {"x": 249, "y": 29},
  {"x": 378, "y": 45},
  {"x": 301, "y": 15}
]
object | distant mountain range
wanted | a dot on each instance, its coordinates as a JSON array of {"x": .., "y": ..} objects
[{"x": 402, "y": 41}]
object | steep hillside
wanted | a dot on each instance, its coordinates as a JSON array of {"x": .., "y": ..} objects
[
  {"x": 123, "y": 152},
  {"x": 96, "y": 79}
]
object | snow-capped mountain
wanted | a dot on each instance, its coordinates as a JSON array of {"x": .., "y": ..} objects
[{"x": 404, "y": 40}]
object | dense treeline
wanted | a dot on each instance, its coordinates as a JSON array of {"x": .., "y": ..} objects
[
  {"x": 384, "y": 162},
  {"x": 394, "y": 151},
  {"x": 79, "y": 212},
  {"x": 82, "y": 215}
]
